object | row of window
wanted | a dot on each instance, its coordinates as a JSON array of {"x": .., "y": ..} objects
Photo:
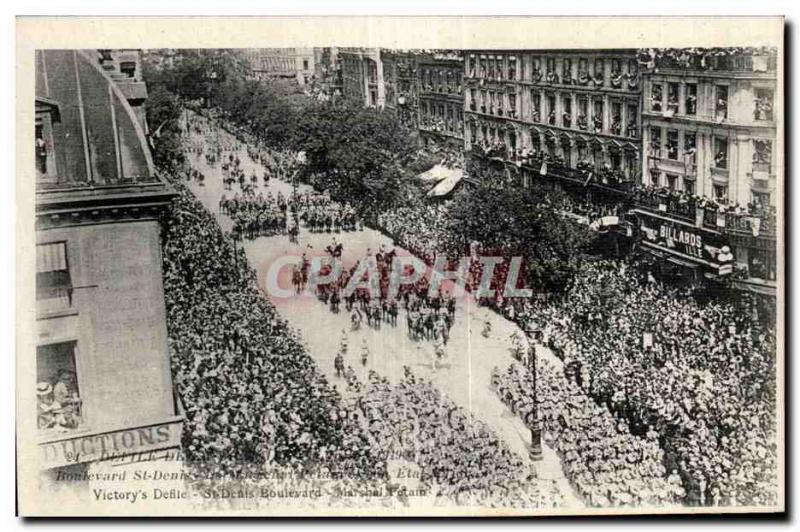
[
  {"x": 682, "y": 99},
  {"x": 445, "y": 81},
  {"x": 669, "y": 147},
  {"x": 441, "y": 117},
  {"x": 566, "y": 70},
  {"x": 545, "y": 110}
]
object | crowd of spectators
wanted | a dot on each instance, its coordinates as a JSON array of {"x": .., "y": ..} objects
[
  {"x": 459, "y": 456},
  {"x": 701, "y": 376},
  {"x": 716, "y": 211},
  {"x": 605, "y": 463},
  {"x": 252, "y": 394}
]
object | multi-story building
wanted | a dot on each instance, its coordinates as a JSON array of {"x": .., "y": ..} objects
[
  {"x": 297, "y": 64},
  {"x": 441, "y": 96},
  {"x": 400, "y": 83},
  {"x": 576, "y": 110},
  {"x": 103, "y": 384},
  {"x": 362, "y": 76},
  {"x": 329, "y": 71},
  {"x": 710, "y": 132}
]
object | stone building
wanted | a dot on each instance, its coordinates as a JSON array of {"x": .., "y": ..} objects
[
  {"x": 293, "y": 64},
  {"x": 441, "y": 96},
  {"x": 576, "y": 109},
  {"x": 362, "y": 76},
  {"x": 709, "y": 124},
  {"x": 103, "y": 384}
]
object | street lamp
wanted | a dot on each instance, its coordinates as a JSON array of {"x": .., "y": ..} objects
[{"x": 534, "y": 423}]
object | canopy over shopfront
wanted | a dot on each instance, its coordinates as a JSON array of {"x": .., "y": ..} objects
[
  {"x": 446, "y": 185},
  {"x": 438, "y": 173}
]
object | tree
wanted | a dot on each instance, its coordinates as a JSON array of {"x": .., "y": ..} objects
[
  {"x": 163, "y": 117},
  {"x": 196, "y": 75},
  {"x": 523, "y": 222},
  {"x": 356, "y": 153}
]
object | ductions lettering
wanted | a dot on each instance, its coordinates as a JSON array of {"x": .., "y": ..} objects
[{"x": 106, "y": 445}]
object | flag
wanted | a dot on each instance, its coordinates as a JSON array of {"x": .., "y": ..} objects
[
  {"x": 588, "y": 179},
  {"x": 543, "y": 170}
]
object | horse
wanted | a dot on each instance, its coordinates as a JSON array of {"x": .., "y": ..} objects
[{"x": 297, "y": 279}]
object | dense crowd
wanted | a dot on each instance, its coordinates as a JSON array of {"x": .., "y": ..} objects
[
  {"x": 701, "y": 376},
  {"x": 606, "y": 464},
  {"x": 458, "y": 455},
  {"x": 253, "y": 395},
  {"x": 661, "y": 399},
  {"x": 705, "y": 385}
]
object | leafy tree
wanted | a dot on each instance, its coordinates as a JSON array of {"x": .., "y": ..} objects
[
  {"x": 519, "y": 222},
  {"x": 163, "y": 113},
  {"x": 356, "y": 153}
]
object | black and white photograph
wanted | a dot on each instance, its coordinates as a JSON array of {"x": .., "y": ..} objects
[{"x": 488, "y": 279}]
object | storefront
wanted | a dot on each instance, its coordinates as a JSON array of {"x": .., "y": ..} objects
[{"x": 685, "y": 250}]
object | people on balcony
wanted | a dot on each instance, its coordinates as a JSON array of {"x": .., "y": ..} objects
[
  {"x": 537, "y": 73},
  {"x": 582, "y": 122},
  {"x": 632, "y": 126},
  {"x": 616, "y": 125},
  {"x": 691, "y": 104},
  {"x": 583, "y": 77},
  {"x": 616, "y": 79},
  {"x": 763, "y": 108},
  {"x": 762, "y": 153},
  {"x": 722, "y": 108},
  {"x": 672, "y": 104},
  {"x": 721, "y": 159},
  {"x": 552, "y": 77}
]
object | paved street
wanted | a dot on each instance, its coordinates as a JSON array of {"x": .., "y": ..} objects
[{"x": 470, "y": 357}]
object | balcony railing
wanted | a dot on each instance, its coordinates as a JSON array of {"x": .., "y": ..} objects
[
  {"x": 746, "y": 224},
  {"x": 668, "y": 204}
]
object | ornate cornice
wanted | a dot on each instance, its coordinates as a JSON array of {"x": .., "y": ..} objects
[{"x": 98, "y": 205}]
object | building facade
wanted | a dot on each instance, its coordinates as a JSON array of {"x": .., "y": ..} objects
[
  {"x": 293, "y": 64},
  {"x": 441, "y": 96},
  {"x": 400, "y": 83},
  {"x": 362, "y": 76},
  {"x": 577, "y": 110},
  {"x": 710, "y": 132},
  {"x": 103, "y": 383}
]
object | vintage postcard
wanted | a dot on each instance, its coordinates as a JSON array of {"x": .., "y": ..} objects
[{"x": 378, "y": 266}]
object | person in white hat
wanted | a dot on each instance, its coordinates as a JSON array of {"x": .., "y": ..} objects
[{"x": 49, "y": 414}]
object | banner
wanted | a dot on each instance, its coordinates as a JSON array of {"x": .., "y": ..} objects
[{"x": 681, "y": 239}]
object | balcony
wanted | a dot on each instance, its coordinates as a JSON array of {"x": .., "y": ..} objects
[
  {"x": 760, "y": 224},
  {"x": 666, "y": 203},
  {"x": 720, "y": 174}
]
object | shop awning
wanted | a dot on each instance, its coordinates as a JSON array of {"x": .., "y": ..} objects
[
  {"x": 446, "y": 185},
  {"x": 438, "y": 173}
]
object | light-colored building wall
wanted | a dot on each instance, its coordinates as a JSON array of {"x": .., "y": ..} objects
[
  {"x": 740, "y": 131},
  {"x": 580, "y": 105}
]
